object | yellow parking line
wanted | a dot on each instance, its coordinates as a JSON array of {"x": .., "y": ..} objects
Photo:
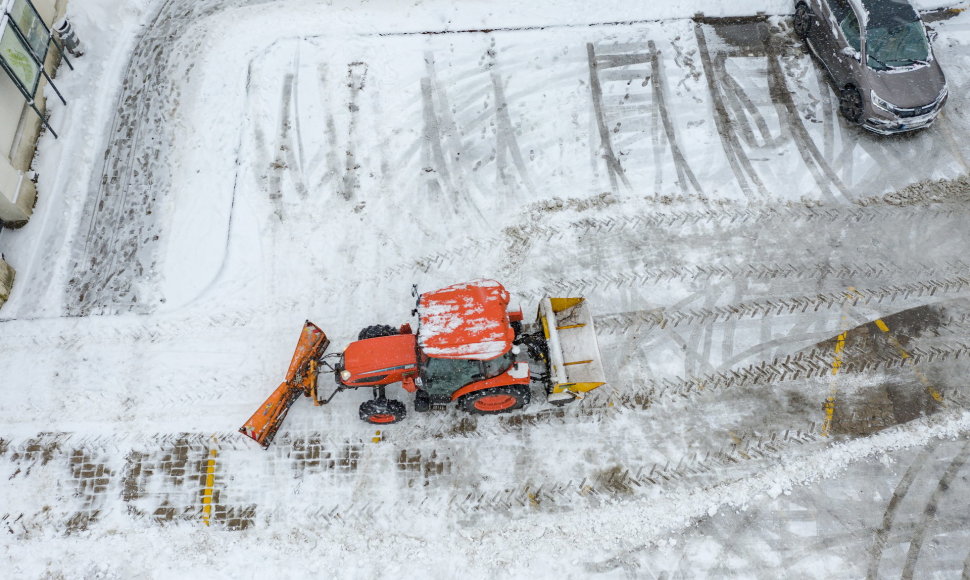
[
  {"x": 829, "y": 405},
  {"x": 210, "y": 478},
  {"x": 933, "y": 392}
]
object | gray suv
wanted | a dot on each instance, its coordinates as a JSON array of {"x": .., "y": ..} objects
[{"x": 878, "y": 54}]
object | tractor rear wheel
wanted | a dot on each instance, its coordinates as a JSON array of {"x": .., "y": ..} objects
[
  {"x": 495, "y": 400},
  {"x": 382, "y": 411},
  {"x": 377, "y": 331}
]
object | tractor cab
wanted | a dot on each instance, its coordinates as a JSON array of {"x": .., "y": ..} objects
[
  {"x": 440, "y": 377},
  {"x": 466, "y": 337}
]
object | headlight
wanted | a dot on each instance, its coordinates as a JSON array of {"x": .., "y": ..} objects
[
  {"x": 881, "y": 103},
  {"x": 345, "y": 375},
  {"x": 943, "y": 94}
]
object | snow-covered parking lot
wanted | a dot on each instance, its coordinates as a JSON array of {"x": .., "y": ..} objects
[{"x": 782, "y": 300}]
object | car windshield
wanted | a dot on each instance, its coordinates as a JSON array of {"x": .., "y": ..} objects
[{"x": 901, "y": 45}]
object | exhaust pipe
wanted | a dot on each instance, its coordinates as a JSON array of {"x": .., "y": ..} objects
[{"x": 68, "y": 38}]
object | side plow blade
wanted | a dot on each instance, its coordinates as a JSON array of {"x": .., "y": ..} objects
[
  {"x": 301, "y": 379},
  {"x": 265, "y": 422}
]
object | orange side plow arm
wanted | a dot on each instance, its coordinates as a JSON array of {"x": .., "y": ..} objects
[
  {"x": 301, "y": 379},
  {"x": 266, "y": 421}
]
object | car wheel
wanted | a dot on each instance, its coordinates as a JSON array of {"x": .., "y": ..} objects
[
  {"x": 803, "y": 20},
  {"x": 850, "y": 104}
]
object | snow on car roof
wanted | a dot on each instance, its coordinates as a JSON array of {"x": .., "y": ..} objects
[{"x": 465, "y": 321}]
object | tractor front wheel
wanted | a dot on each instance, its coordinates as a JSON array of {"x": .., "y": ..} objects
[
  {"x": 382, "y": 411},
  {"x": 377, "y": 331},
  {"x": 495, "y": 400}
]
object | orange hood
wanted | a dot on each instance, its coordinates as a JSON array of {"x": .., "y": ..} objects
[{"x": 380, "y": 356}]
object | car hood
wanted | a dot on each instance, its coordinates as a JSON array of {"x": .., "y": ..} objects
[{"x": 909, "y": 88}]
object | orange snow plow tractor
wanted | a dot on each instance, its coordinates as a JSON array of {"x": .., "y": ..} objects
[{"x": 470, "y": 349}]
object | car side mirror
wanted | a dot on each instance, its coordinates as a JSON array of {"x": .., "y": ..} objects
[{"x": 849, "y": 51}]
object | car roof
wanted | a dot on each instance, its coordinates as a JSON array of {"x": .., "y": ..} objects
[{"x": 885, "y": 13}]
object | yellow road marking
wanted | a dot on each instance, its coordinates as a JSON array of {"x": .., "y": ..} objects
[
  {"x": 377, "y": 438},
  {"x": 839, "y": 347},
  {"x": 933, "y": 392},
  {"x": 828, "y": 407},
  {"x": 210, "y": 478}
]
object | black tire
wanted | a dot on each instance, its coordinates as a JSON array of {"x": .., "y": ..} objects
[
  {"x": 851, "y": 104},
  {"x": 496, "y": 400},
  {"x": 422, "y": 401},
  {"x": 803, "y": 21},
  {"x": 376, "y": 331},
  {"x": 382, "y": 411}
]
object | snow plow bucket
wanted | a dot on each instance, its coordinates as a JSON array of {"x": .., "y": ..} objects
[
  {"x": 301, "y": 379},
  {"x": 574, "y": 356}
]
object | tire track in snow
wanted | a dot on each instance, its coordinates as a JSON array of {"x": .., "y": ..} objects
[
  {"x": 809, "y": 364},
  {"x": 745, "y": 110},
  {"x": 507, "y": 144},
  {"x": 356, "y": 80},
  {"x": 902, "y": 488},
  {"x": 825, "y": 177},
  {"x": 743, "y": 170},
  {"x": 684, "y": 172},
  {"x": 86, "y": 295},
  {"x": 613, "y": 166},
  {"x": 601, "y": 232},
  {"x": 440, "y": 128},
  {"x": 929, "y": 512},
  {"x": 113, "y": 271},
  {"x": 764, "y": 308}
]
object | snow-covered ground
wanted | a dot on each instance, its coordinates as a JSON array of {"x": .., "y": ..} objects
[{"x": 782, "y": 300}]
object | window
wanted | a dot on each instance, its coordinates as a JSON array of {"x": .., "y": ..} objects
[
  {"x": 850, "y": 28},
  {"x": 497, "y": 366},
  {"x": 840, "y": 9},
  {"x": 444, "y": 375},
  {"x": 903, "y": 44}
]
